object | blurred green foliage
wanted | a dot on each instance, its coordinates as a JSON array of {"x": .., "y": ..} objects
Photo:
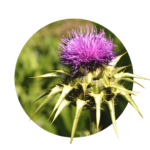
[{"x": 38, "y": 57}]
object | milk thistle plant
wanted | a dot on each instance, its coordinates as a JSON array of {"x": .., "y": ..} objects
[{"x": 94, "y": 80}]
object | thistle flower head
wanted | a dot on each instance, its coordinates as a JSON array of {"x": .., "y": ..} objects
[{"x": 86, "y": 49}]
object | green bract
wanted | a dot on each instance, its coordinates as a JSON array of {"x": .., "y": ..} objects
[{"x": 90, "y": 90}]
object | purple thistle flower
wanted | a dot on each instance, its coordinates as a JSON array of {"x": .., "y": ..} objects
[{"x": 85, "y": 49}]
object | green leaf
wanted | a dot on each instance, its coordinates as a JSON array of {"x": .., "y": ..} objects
[
  {"x": 84, "y": 86},
  {"x": 47, "y": 75},
  {"x": 98, "y": 100},
  {"x": 127, "y": 75},
  {"x": 42, "y": 95},
  {"x": 61, "y": 71},
  {"x": 49, "y": 97},
  {"x": 65, "y": 92},
  {"x": 79, "y": 106},
  {"x": 135, "y": 82},
  {"x": 121, "y": 88},
  {"x": 115, "y": 61},
  {"x": 132, "y": 103},
  {"x": 58, "y": 74},
  {"x": 115, "y": 70},
  {"x": 99, "y": 73},
  {"x": 62, "y": 105},
  {"x": 113, "y": 118}
]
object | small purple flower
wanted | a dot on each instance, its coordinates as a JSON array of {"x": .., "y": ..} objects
[{"x": 85, "y": 49}]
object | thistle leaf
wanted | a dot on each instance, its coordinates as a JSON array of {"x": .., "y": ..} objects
[
  {"x": 105, "y": 81},
  {"x": 127, "y": 75},
  {"x": 100, "y": 72},
  {"x": 61, "y": 71},
  {"x": 112, "y": 113},
  {"x": 48, "y": 75},
  {"x": 113, "y": 63},
  {"x": 62, "y": 105},
  {"x": 49, "y": 97},
  {"x": 44, "y": 94},
  {"x": 65, "y": 91},
  {"x": 129, "y": 99},
  {"x": 115, "y": 70},
  {"x": 121, "y": 88},
  {"x": 79, "y": 106},
  {"x": 84, "y": 86},
  {"x": 98, "y": 101},
  {"x": 130, "y": 80}
]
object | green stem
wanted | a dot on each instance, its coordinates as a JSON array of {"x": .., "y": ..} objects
[{"x": 93, "y": 128}]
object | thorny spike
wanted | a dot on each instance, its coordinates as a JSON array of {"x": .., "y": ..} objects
[
  {"x": 143, "y": 87},
  {"x": 146, "y": 79},
  {"x": 51, "y": 114},
  {"x": 117, "y": 136}
]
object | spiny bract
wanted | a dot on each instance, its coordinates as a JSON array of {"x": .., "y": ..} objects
[{"x": 88, "y": 87}]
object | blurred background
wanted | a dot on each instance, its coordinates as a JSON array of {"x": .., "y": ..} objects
[{"x": 38, "y": 57}]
